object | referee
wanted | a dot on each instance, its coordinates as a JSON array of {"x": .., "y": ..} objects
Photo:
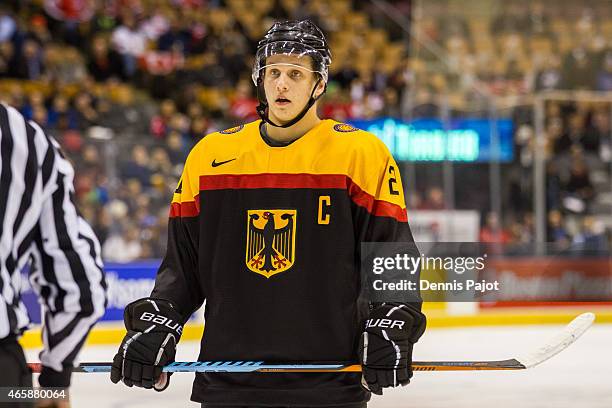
[{"x": 40, "y": 224}]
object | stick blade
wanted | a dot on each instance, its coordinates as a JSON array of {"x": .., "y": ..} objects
[{"x": 560, "y": 342}]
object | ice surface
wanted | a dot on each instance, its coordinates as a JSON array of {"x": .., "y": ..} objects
[{"x": 579, "y": 377}]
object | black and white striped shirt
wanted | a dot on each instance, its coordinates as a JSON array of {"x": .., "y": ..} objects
[{"x": 40, "y": 223}]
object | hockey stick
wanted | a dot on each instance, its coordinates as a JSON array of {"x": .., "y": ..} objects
[{"x": 557, "y": 344}]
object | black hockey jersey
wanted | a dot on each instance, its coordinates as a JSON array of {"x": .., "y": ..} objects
[{"x": 270, "y": 238}]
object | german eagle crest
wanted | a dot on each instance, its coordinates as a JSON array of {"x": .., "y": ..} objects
[{"x": 270, "y": 247}]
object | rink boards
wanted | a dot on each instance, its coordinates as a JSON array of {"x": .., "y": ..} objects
[{"x": 127, "y": 282}]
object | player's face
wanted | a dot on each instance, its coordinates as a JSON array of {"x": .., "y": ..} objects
[{"x": 288, "y": 82}]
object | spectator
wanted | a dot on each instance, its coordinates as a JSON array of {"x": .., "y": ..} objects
[
  {"x": 35, "y": 100},
  {"x": 130, "y": 42},
  {"x": 104, "y": 63},
  {"x": 85, "y": 184},
  {"x": 102, "y": 21},
  {"x": 92, "y": 161},
  {"x": 511, "y": 19},
  {"x": 70, "y": 19},
  {"x": 137, "y": 168},
  {"x": 579, "y": 187},
  {"x": 391, "y": 105},
  {"x": 538, "y": 20},
  {"x": 160, "y": 162},
  {"x": 529, "y": 222},
  {"x": 8, "y": 26},
  {"x": 71, "y": 11},
  {"x": 86, "y": 114},
  {"x": 434, "y": 200},
  {"x": 142, "y": 211},
  {"x": 604, "y": 74},
  {"x": 337, "y": 104},
  {"x": 194, "y": 111},
  {"x": 344, "y": 75},
  {"x": 7, "y": 59},
  {"x": 198, "y": 129},
  {"x": 39, "y": 115},
  {"x": 177, "y": 151},
  {"x": 592, "y": 237},
  {"x": 121, "y": 247},
  {"x": 160, "y": 123},
  {"x": 453, "y": 23},
  {"x": 424, "y": 104},
  {"x": 175, "y": 38},
  {"x": 64, "y": 65},
  {"x": 29, "y": 65},
  {"x": 38, "y": 30},
  {"x": 132, "y": 189},
  {"x": 578, "y": 70},
  {"x": 157, "y": 23},
  {"x": 231, "y": 57},
  {"x": 492, "y": 232},
  {"x": 199, "y": 31},
  {"x": 549, "y": 76},
  {"x": 14, "y": 96},
  {"x": 556, "y": 230},
  {"x": 103, "y": 225},
  {"x": 290, "y": 9},
  {"x": 243, "y": 105},
  {"x": 600, "y": 130},
  {"x": 61, "y": 115},
  {"x": 517, "y": 235},
  {"x": 576, "y": 136},
  {"x": 379, "y": 78},
  {"x": 522, "y": 231},
  {"x": 179, "y": 123}
]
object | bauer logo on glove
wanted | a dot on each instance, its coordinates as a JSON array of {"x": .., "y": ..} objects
[
  {"x": 154, "y": 328},
  {"x": 162, "y": 320},
  {"x": 386, "y": 345},
  {"x": 385, "y": 323}
]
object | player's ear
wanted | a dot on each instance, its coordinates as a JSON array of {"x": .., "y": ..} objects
[{"x": 320, "y": 89}]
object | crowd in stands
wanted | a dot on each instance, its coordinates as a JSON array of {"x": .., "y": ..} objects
[
  {"x": 161, "y": 74},
  {"x": 522, "y": 48},
  {"x": 525, "y": 46}
]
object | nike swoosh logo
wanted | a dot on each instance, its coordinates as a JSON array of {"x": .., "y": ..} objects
[{"x": 217, "y": 164}]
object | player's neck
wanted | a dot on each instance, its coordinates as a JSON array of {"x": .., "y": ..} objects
[{"x": 294, "y": 132}]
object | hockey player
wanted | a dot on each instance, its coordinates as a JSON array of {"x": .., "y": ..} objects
[{"x": 265, "y": 226}]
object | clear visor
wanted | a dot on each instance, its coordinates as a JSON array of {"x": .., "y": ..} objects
[{"x": 291, "y": 48}]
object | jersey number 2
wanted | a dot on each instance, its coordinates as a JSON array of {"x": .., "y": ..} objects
[{"x": 392, "y": 181}]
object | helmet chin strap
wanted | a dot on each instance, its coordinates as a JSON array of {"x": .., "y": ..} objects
[{"x": 262, "y": 108}]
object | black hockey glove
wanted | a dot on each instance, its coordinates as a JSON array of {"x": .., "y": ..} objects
[
  {"x": 386, "y": 345},
  {"x": 154, "y": 328}
]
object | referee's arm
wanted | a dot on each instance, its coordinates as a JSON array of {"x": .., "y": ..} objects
[{"x": 66, "y": 273}]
